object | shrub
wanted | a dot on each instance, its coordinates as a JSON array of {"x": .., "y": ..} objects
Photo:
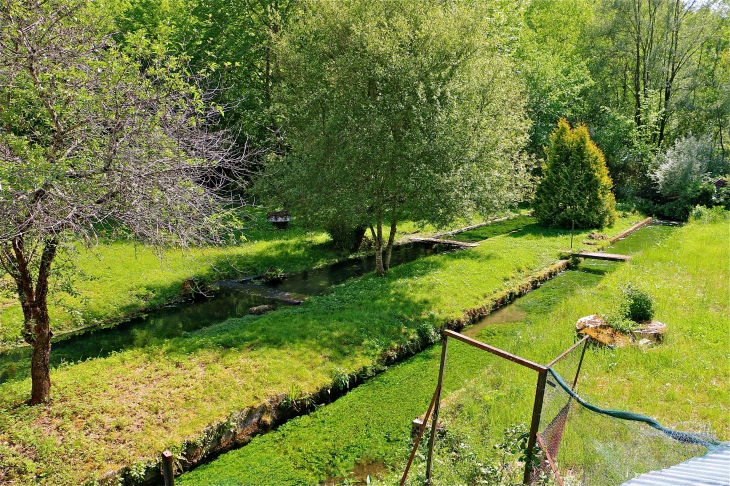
[
  {"x": 576, "y": 187},
  {"x": 634, "y": 306},
  {"x": 701, "y": 214},
  {"x": 273, "y": 275},
  {"x": 683, "y": 176},
  {"x": 639, "y": 306}
]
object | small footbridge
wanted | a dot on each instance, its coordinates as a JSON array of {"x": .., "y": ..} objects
[{"x": 596, "y": 255}]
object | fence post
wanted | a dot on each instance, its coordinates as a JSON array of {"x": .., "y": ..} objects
[
  {"x": 534, "y": 427},
  {"x": 434, "y": 422},
  {"x": 167, "y": 469}
]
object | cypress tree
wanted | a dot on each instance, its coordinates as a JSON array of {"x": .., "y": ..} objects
[{"x": 576, "y": 187}]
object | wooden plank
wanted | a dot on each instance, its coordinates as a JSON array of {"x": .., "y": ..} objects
[
  {"x": 446, "y": 242},
  {"x": 603, "y": 256},
  {"x": 630, "y": 230}
]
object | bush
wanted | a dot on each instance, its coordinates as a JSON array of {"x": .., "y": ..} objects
[
  {"x": 683, "y": 177},
  {"x": 639, "y": 306},
  {"x": 576, "y": 187},
  {"x": 634, "y": 307},
  {"x": 273, "y": 275},
  {"x": 346, "y": 236},
  {"x": 701, "y": 214}
]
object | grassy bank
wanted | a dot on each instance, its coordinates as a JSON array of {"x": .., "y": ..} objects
[
  {"x": 368, "y": 431},
  {"x": 684, "y": 383},
  {"x": 108, "y": 413},
  {"x": 120, "y": 279}
]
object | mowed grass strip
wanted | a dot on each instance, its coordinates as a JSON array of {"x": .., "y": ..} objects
[
  {"x": 368, "y": 430},
  {"x": 684, "y": 383},
  {"x": 126, "y": 408}
]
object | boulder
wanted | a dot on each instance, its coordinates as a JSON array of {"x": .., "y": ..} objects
[
  {"x": 596, "y": 327},
  {"x": 261, "y": 309},
  {"x": 653, "y": 332}
]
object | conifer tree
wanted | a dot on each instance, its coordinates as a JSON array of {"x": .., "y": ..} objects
[{"x": 576, "y": 188}]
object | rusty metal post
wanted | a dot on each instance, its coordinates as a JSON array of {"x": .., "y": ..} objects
[
  {"x": 420, "y": 435},
  {"x": 534, "y": 427},
  {"x": 434, "y": 421},
  {"x": 167, "y": 468},
  {"x": 580, "y": 364}
]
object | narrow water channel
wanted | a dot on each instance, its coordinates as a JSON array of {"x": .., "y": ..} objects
[
  {"x": 229, "y": 299},
  {"x": 367, "y": 429}
]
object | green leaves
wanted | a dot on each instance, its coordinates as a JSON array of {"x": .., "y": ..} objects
[
  {"x": 396, "y": 110},
  {"x": 576, "y": 188}
]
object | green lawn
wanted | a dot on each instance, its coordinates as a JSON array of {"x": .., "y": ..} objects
[
  {"x": 684, "y": 383},
  {"x": 126, "y": 408}
]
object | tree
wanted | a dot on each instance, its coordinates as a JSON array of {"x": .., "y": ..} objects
[
  {"x": 551, "y": 63},
  {"x": 397, "y": 110},
  {"x": 650, "y": 61},
  {"x": 684, "y": 173},
  {"x": 576, "y": 188},
  {"x": 653, "y": 46},
  {"x": 95, "y": 140},
  {"x": 234, "y": 40}
]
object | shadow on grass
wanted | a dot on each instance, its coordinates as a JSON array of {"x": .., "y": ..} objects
[
  {"x": 372, "y": 309},
  {"x": 371, "y": 315},
  {"x": 494, "y": 229}
]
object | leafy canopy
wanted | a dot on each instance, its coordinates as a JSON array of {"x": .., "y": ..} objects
[{"x": 397, "y": 110}]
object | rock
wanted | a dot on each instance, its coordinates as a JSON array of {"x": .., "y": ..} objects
[
  {"x": 418, "y": 423},
  {"x": 653, "y": 331},
  {"x": 595, "y": 326},
  {"x": 261, "y": 309},
  {"x": 591, "y": 321}
]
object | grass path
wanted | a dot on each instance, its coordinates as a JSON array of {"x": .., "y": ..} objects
[{"x": 123, "y": 410}]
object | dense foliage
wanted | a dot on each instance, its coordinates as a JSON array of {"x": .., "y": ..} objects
[
  {"x": 396, "y": 111},
  {"x": 96, "y": 139},
  {"x": 576, "y": 188},
  {"x": 684, "y": 176},
  {"x": 640, "y": 73}
]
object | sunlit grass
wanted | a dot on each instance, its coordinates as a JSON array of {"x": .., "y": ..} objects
[
  {"x": 683, "y": 383},
  {"x": 118, "y": 280},
  {"x": 128, "y": 407}
]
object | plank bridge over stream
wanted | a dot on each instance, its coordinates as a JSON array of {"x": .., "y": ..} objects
[{"x": 613, "y": 257}]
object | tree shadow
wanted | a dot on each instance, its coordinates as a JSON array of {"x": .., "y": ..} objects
[{"x": 224, "y": 322}]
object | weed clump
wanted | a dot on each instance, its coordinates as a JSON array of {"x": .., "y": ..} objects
[
  {"x": 634, "y": 307},
  {"x": 273, "y": 275}
]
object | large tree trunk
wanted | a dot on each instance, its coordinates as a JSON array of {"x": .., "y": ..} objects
[
  {"x": 40, "y": 370},
  {"x": 391, "y": 240},
  {"x": 16, "y": 260}
]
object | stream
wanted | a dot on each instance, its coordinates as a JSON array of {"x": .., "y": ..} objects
[
  {"x": 371, "y": 417},
  {"x": 230, "y": 299}
]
